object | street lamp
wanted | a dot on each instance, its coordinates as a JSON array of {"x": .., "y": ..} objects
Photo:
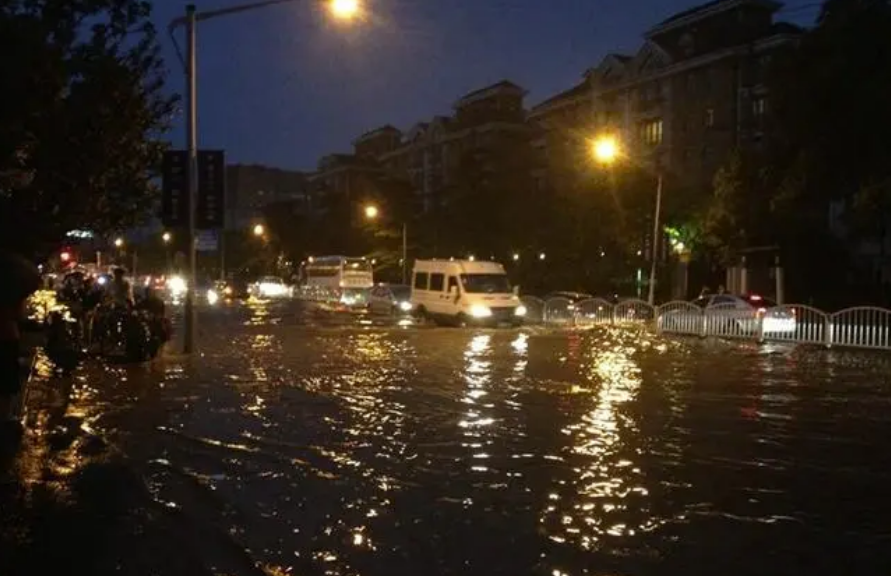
[
  {"x": 606, "y": 150},
  {"x": 341, "y": 9},
  {"x": 119, "y": 243},
  {"x": 372, "y": 212},
  {"x": 259, "y": 230},
  {"x": 344, "y": 9},
  {"x": 166, "y": 237}
]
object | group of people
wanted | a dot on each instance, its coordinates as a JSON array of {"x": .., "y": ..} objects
[{"x": 94, "y": 305}]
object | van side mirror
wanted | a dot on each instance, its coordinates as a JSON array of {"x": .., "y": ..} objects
[{"x": 516, "y": 290}]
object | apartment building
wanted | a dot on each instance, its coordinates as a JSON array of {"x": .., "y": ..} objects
[
  {"x": 429, "y": 155},
  {"x": 693, "y": 92},
  {"x": 251, "y": 187}
]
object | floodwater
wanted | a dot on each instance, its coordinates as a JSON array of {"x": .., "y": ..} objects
[{"x": 304, "y": 443}]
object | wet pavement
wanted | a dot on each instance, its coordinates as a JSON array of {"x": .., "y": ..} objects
[{"x": 306, "y": 442}]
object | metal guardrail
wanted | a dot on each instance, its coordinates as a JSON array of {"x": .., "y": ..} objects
[{"x": 858, "y": 327}]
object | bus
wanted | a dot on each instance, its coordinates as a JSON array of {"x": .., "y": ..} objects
[{"x": 339, "y": 278}]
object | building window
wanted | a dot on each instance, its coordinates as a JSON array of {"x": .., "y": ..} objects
[
  {"x": 651, "y": 132},
  {"x": 709, "y": 117},
  {"x": 759, "y": 107}
]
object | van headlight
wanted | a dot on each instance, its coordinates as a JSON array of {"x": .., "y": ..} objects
[
  {"x": 520, "y": 310},
  {"x": 405, "y": 306},
  {"x": 480, "y": 311}
]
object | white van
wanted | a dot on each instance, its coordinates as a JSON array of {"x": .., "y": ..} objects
[{"x": 461, "y": 292}]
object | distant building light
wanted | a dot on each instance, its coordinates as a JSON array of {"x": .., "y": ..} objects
[{"x": 79, "y": 234}]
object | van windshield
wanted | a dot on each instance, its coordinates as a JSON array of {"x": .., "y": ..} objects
[{"x": 485, "y": 283}]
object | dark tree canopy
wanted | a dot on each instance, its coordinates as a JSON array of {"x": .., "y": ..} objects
[{"x": 83, "y": 115}]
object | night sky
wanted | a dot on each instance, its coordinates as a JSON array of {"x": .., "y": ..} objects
[{"x": 285, "y": 84}]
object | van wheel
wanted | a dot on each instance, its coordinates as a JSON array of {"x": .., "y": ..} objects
[
  {"x": 461, "y": 321},
  {"x": 420, "y": 313}
]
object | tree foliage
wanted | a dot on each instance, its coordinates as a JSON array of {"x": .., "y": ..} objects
[
  {"x": 827, "y": 124},
  {"x": 83, "y": 114}
]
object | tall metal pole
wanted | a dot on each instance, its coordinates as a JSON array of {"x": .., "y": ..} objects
[
  {"x": 189, "y": 327},
  {"x": 404, "y": 253},
  {"x": 651, "y": 298}
]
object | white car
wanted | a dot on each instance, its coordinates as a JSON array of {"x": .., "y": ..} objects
[
  {"x": 742, "y": 314},
  {"x": 390, "y": 299},
  {"x": 270, "y": 287}
]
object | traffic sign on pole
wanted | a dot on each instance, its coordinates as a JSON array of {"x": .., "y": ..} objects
[
  {"x": 211, "y": 189},
  {"x": 175, "y": 189}
]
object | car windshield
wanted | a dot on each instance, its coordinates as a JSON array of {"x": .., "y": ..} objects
[
  {"x": 401, "y": 292},
  {"x": 485, "y": 283}
]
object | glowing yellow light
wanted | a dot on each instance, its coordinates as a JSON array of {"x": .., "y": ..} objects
[
  {"x": 118, "y": 242},
  {"x": 605, "y": 149},
  {"x": 259, "y": 230},
  {"x": 371, "y": 212},
  {"x": 166, "y": 237},
  {"x": 344, "y": 9}
]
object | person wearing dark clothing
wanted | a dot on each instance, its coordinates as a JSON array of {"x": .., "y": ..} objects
[{"x": 18, "y": 280}]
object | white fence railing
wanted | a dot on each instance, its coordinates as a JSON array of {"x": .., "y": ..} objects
[{"x": 858, "y": 327}]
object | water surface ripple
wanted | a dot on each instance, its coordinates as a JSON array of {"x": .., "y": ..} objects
[{"x": 386, "y": 451}]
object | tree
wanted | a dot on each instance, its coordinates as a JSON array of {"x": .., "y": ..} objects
[{"x": 83, "y": 116}]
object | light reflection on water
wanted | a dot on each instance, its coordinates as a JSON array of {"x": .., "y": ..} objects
[{"x": 391, "y": 451}]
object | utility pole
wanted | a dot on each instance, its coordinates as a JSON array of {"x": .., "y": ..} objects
[{"x": 192, "y": 151}]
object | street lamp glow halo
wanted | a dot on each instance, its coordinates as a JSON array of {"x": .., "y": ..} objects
[
  {"x": 259, "y": 230},
  {"x": 344, "y": 9},
  {"x": 606, "y": 149},
  {"x": 371, "y": 212}
]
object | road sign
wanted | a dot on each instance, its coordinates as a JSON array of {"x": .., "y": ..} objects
[
  {"x": 175, "y": 189},
  {"x": 211, "y": 189}
]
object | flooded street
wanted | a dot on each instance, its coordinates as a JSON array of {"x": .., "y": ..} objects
[{"x": 305, "y": 443}]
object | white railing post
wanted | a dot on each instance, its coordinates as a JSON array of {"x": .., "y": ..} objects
[{"x": 828, "y": 329}]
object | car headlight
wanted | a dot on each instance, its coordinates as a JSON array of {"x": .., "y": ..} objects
[
  {"x": 177, "y": 285},
  {"x": 520, "y": 310},
  {"x": 405, "y": 306},
  {"x": 480, "y": 311},
  {"x": 212, "y": 297}
]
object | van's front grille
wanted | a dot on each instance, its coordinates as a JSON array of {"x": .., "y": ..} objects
[{"x": 503, "y": 313}]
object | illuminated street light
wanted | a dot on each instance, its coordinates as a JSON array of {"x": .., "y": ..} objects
[
  {"x": 516, "y": 256},
  {"x": 259, "y": 230},
  {"x": 371, "y": 212},
  {"x": 542, "y": 256},
  {"x": 340, "y": 9},
  {"x": 119, "y": 242},
  {"x": 344, "y": 9},
  {"x": 166, "y": 237},
  {"x": 605, "y": 149}
]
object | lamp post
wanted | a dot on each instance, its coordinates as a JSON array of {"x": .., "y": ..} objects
[
  {"x": 371, "y": 213},
  {"x": 341, "y": 9},
  {"x": 166, "y": 237},
  {"x": 606, "y": 150}
]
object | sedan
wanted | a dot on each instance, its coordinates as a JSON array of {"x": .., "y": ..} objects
[{"x": 392, "y": 299}]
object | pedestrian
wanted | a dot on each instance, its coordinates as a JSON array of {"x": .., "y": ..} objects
[{"x": 20, "y": 279}]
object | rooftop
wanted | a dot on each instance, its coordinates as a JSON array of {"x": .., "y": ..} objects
[{"x": 705, "y": 10}]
